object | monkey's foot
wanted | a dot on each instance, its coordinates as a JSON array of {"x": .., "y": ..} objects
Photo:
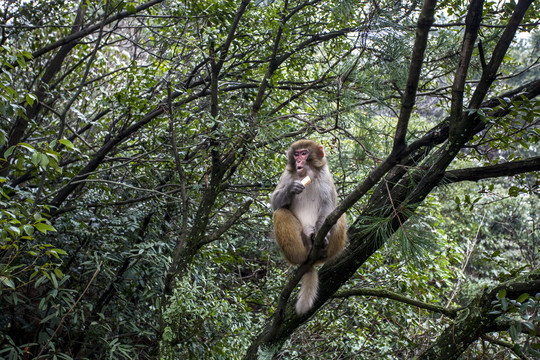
[{"x": 326, "y": 241}]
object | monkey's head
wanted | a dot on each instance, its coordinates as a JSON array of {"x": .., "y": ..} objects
[{"x": 305, "y": 156}]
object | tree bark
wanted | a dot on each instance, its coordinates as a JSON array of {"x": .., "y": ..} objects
[{"x": 493, "y": 171}]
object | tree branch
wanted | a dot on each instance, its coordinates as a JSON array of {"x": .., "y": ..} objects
[
  {"x": 499, "y": 170},
  {"x": 230, "y": 222},
  {"x": 452, "y": 313},
  {"x": 474, "y": 17},
  {"x": 478, "y": 318},
  {"x": 490, "y": 72},
  {"x": 21, "y": 122},
  {"x": 422, "y": 31},
  {"x": 84, "y": 32}
]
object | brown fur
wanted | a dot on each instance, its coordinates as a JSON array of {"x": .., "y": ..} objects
[
  {"x": 338, "y": 239},
  {"x": 289, "y": 236},
  {"x": 288, "y": 232}
]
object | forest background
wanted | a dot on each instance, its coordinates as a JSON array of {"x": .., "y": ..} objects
[{"x": 139, "y": 143}]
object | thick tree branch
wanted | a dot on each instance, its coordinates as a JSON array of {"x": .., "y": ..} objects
[
  {"x": 493, "y": 171},
  {"x": 472, "y": 21},
  {"x": 407, "y": 103},
  {"x": 490, "y": 72}
]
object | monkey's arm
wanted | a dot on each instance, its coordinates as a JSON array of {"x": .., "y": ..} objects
[{"x": 284, "y": 193}]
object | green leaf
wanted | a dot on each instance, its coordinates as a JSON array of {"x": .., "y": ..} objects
[
  {"x": 530, "y": 326},
  {"x": 59, "y": 251},
  {"x": 42, "y": 227},
  {"x": 7, "y": 282},
  {"x": 504, "y": 303},
  {"x": 56, "y": 252},
  {"x": 522, "y": 298},
  {"x": 514, "y": 191},
  {"x": 58, "y": 273},
  {"x": 10, "y": 91},
  {"x": 33, "y": 275},
  {"x": 131, "y": 8},
  {"x": 54, "y": 281},
  {"x": 28, "y": 229},
  {"x": 66, "y": 143},
  {"x": 513, "y": 332},
  {"x": 27, "y": 146},
  {"x": 21, "y": 61},
  {"x": 14, "y": 230},
  {"x": 30, "y": 99},
  {"x": 35, "y": 159},
  {"x": 27, "y": 54},
  {"x": 40, "y": 281},
  {"x": 501, "y": 294},
  {"x": 43, "y": 160},
  {"x": 9, "y": 151}
]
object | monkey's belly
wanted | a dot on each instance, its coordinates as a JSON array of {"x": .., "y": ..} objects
[{"x": 306, "y": 209}]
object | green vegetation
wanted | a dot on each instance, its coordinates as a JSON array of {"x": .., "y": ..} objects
[{"x": 140, "y": 141}]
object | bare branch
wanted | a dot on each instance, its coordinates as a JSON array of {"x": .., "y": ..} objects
[
  {"x": 422, "y": 31},
  {"x": 490, "y": 72},
  {"x": 474, "y": 16}
]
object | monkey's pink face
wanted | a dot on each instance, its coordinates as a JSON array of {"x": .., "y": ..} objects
[{"x": 300, "y": 157}]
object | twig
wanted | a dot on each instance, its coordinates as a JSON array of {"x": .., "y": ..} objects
[{"x": 466, "y": 262}]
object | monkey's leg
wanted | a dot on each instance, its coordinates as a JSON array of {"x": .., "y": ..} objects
[
  {"x": 288, "y": 231},
  {"x": 338, "y": 238}
]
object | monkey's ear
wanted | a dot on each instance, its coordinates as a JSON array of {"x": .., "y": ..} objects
[{"x": 321, "y": 151}]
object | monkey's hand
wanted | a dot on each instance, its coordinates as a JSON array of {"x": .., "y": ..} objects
[{"x": 296, "y": 187}]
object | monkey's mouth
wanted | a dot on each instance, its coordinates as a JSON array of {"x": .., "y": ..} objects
[{"x": 300, "y": 170}]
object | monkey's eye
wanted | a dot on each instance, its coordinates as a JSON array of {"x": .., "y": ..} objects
[{"x": 304, "y": 153}]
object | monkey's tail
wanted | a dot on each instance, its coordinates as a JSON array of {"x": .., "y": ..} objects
[{"x": 308, "y": 291}]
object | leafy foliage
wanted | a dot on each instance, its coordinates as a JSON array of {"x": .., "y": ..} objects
[{"x": 139, "y": 143}]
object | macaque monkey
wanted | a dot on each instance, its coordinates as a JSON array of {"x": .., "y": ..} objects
[{"x": 300, "y": 210}]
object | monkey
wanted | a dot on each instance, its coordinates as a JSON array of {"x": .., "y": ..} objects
[{"x": 300, "y": 211}]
